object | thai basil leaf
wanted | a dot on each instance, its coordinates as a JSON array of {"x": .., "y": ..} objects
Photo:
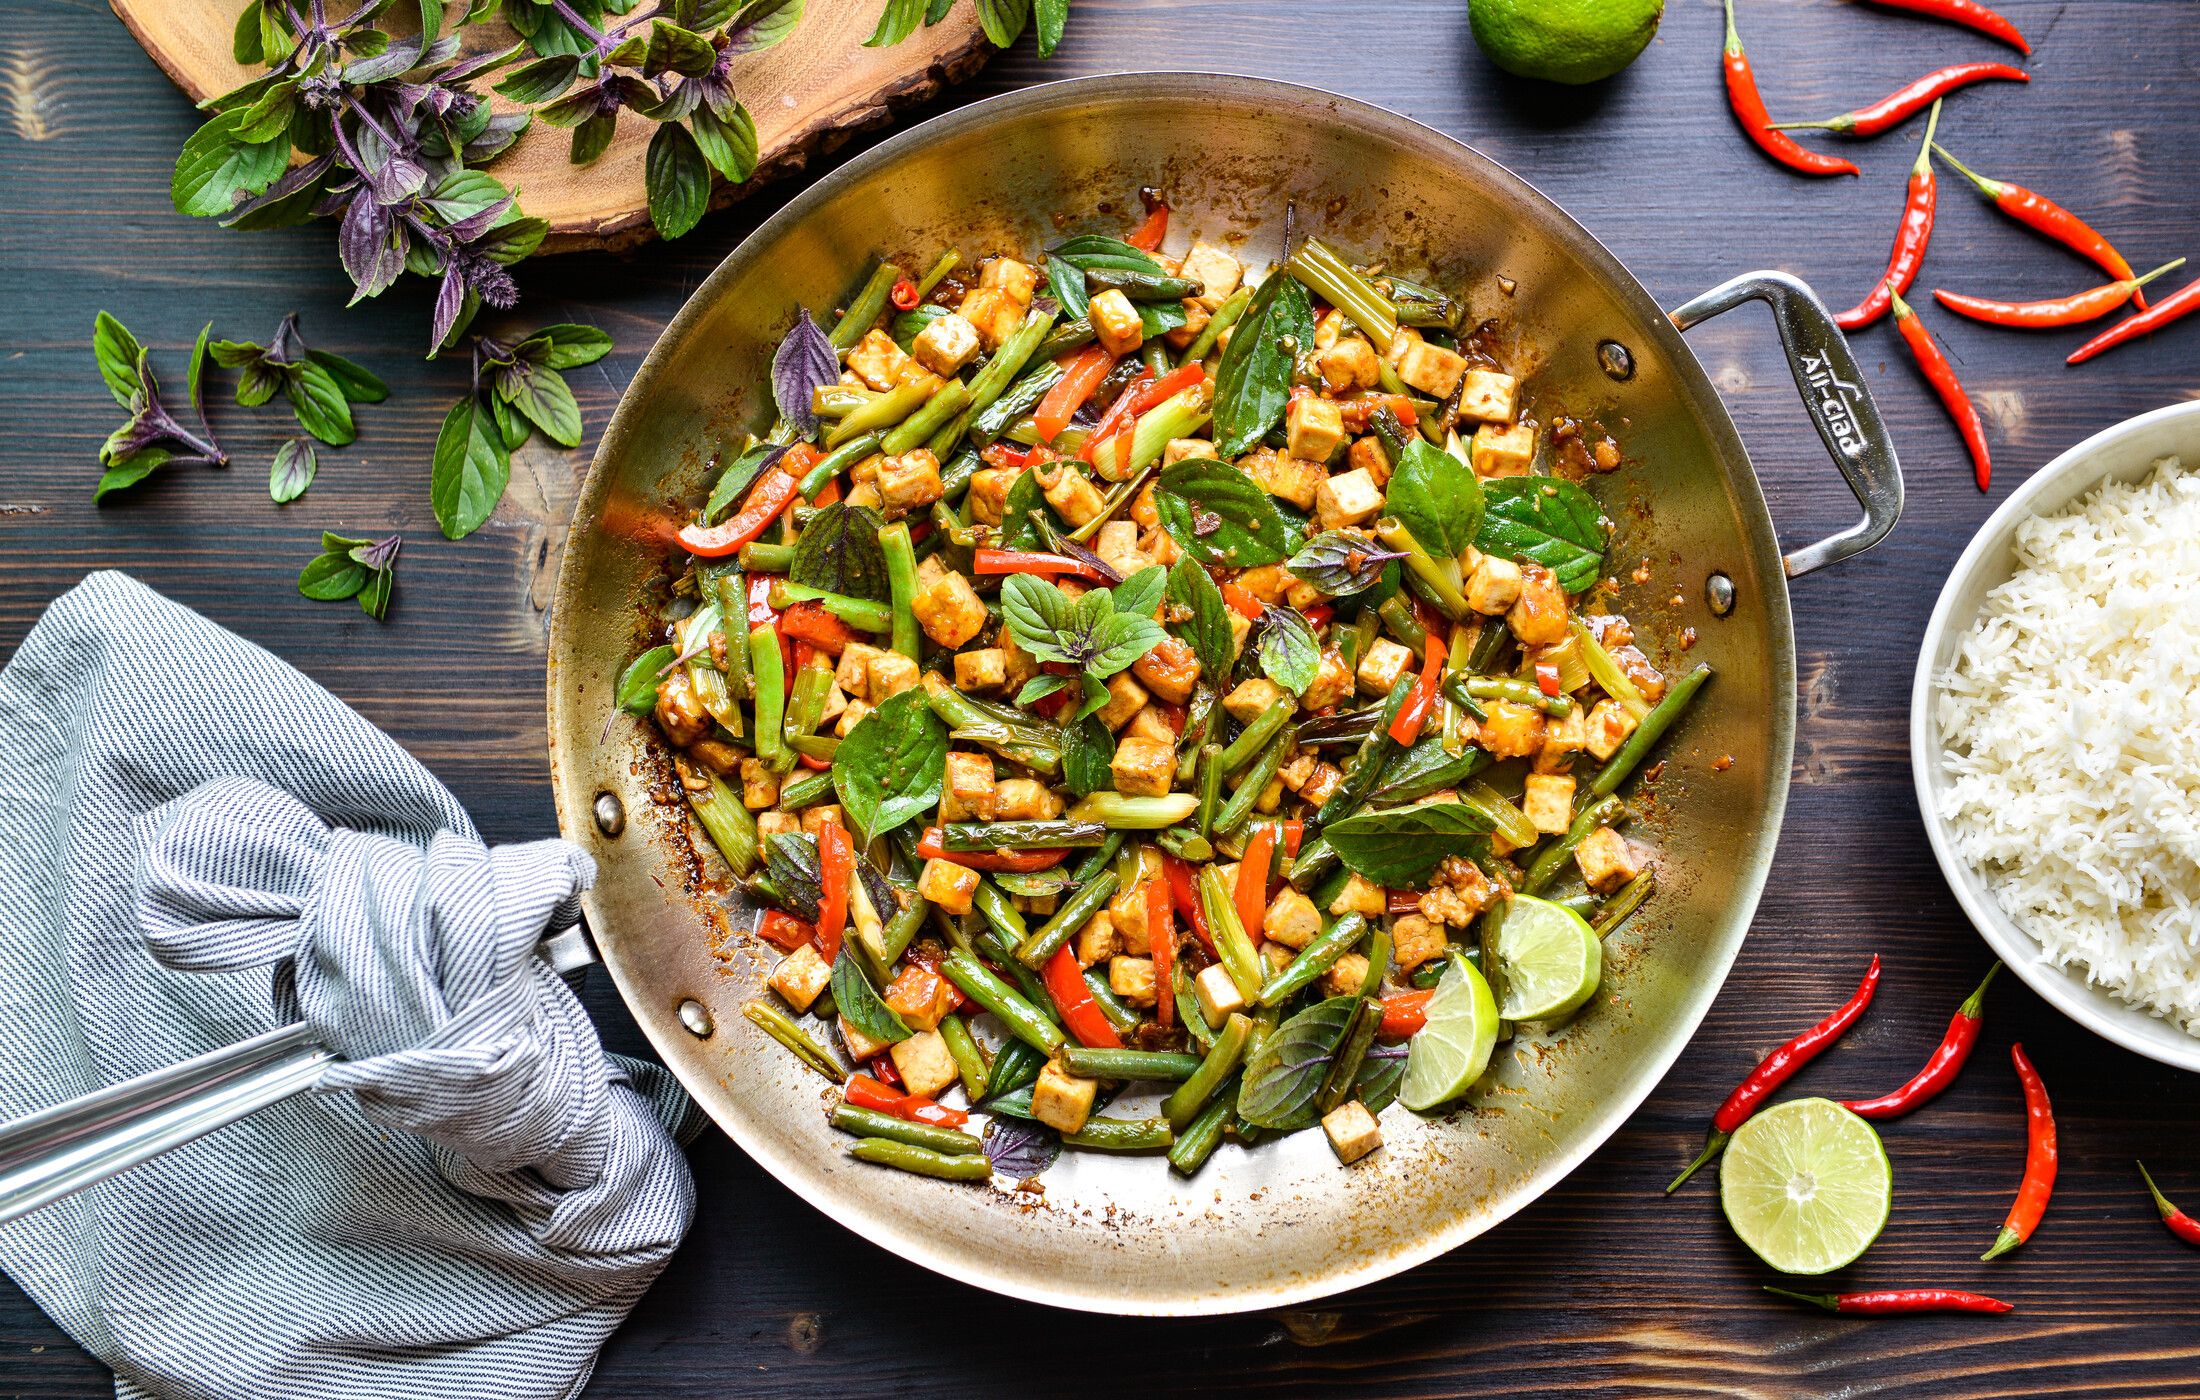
[
  {"x": 1040, "y": 687},
  {"x": 839, "y": 552},
  {"x": 1207, "y": 630},
  {"x": 889, "y": 768},
  {"x": 673, "y": 49},
  {"x": 1053, "y": 16},
  {"x": 637, "y": 689},
  {"x": 1219, "y": 515},
  {"x": 472, "y": 468},
  {"x": 319, "y": 403},
  {"x": 1096, "y": 697},
  {"x": 1003, "y": 20},
  {"x": 727, "y": 142},
  {"x": 1340, "y": 564},
  {"x": 790, "y": 858},
  {"x": 1437, "y": 498},
  {"x": 1020, "y": 529},
  {"x": 1016, "y": 1103},
  {"x": 1141, "y": 593},
  {"x": 761, "y": 24},
  {"x": 1281, "y": 1081},
  {"x": 895, "y": 23},
  {"x": 1552, "y": 522},
  {"x": 1087, "y": 751},
  {"x": 1425, "y": 768},
  {"x": 1088, "y": 634},
  {"x": 1401, "y": 846},
  {"x": 118, "y": 353},
  {"x": 292, "y": 471},
  {"x": 1288, "y": 653},
  {"x": 564, "y": 346},
  {"x": 544, "y": 398},
  {"x": 1160, "y": 317},
  {"x": 1088, "y": 250},
  {"x": 358, "y": 383},
  {"x": 332, "y": 577},
  {"x": 217, "y": 166},
  {"x": 541, "y": 80},
  {"x": 1020, "y": 1148},
  {"x": 374, "y": 598},
  {"x": 678, "y": 180},
  {"x": 859, "y": 1001},
  {"x": 1253, "y": 383},
  {"x": 1067, "y": 281},
  {"x": 804, "y": 362},
  {"x": 739, "y": 477},
  {"x": 1384, "y": 1069}
]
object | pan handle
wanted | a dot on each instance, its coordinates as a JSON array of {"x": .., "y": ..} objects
[{"x": 1832, "y": 386}]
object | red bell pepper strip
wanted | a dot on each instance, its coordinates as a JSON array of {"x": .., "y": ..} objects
[
  {"x": 761, "y": 611},
  {"x": 1124, "y": 406},
  {"x": 862, "y": 1091},
  {"x": 1065, "y": 982},
  {"x": 1142, "y": 399},
  {"x": 882, "y": 1066},
  {"x": 1252, "y": 879},
  {"x": 1422, "y": 702},
  {"x": 1081, "y": 375},
  {"x": 1148, "y": 235},
  {"x": 784, "y": 930},
  {"x": 766, "y": 500},
  {"x": 1243, "y": 603},
  {"x": 1187, "y": 898},
  {"x": 809, "y": 622},
  {"x": 1404, "y": 1014},
  {"x": 836, "y": 865},
  {"x": 1294, "y": 835},
  {"x": 1161, "y": 947},
  {"x": 1020, "y": 561},
  {"x": 1546, "y": 678},
  {"x": 1014, "y": 862}
]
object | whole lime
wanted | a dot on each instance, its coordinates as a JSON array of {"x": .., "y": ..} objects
[{"x": 1564, "y": 41}]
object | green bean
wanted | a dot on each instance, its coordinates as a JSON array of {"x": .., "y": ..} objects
[
  {"x": 1645, "y": 738},
  {"x": 728, "y": 823},
  {"x": 1488, "y": 643},
  {"x": 901, "y": 575},
  {"x": 806, "y": 705},
  {"x": 1232, "y": 944},
  {"x": 1020, "y": 836},
  {"x": 1375, "y": 754},
  {"x": 1255, "y": 736},
  {"x": 1006, "y": 741},
  {"x": 733, "y": 603},
  {"x": 766, "y": 889},
  {"x": 1037, "y": 746},
  {"x": 1210, "y": 786},
  {"x": 1620, "y": 907},
  {"x": 1353, "y": 642},
  {"x": 1118, "y": 1012},
  {"x": 1584, "y": 903},
  {"x": 1015, "y": 1066},
  {"x": 859, "y": 613},
  {"x": 1120, "y": 813},
  {"x": 952, "y": 398},
  {"x": 1185, "y": 843},
  {"x": 1336, "y": 1085},
  {"x": 767, "y": 559},
  {"x": 1224, "y": 317},
  {"x": 835, "y": 462},
  {"x": 1022, "y": 397},
  {"x": 770, "y": 670},
  {"x": 1313, "y": 865},
  {"x": 999, "y": 914},
  {"x": 1209, "y": 1074},
  {"x": 805, "y": 790},
  {"x": 881, "y": 413},
  {"x": 1142, "y": 286},
  {"x": 1602, "y": 812},
  {"x": 781, "y": 1027},
  {"x": 1105, "y": 1062},
  {"x": 955, "y": 480},
  {"x": 1023, "y": 1020},
  {"x": 1316, "y": 958},
  {"x": 922, "y": 1161},
  {"x": 901, "y": 930},
  {"x": 989, "y": 383},
  {"x": 1397, "y": 615},
  {"x": 838, "y": 400},
  {"x": 1099, "y": 859},
  {"x": 945, "y": 265},
  {"x": 1089, "y": 900},
  {"x": 1378, "y": 961},
  {"x": 1155, "y": 356},
  {"x": 1197, "y": 720},
  {"x": 1239, "y": 809},
  {"x": 1069, "y": 336},
  {"x": 869, "y": 305},
  {"x": 1435, "y": 574},
  {"x": 1518, "y": 692},
  {"x": 870, "y": 1123},
  {"x": 1121, "y": 1135},
  {"x": 969, "y": 1057},
  {"x": 1199, "y": 1139}
]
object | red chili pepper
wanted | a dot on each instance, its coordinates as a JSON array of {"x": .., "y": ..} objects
[
  {"x": 1252, "y": 879},
  {"x": 2181, "y": 302},
  {"x": 904, "y": 295},
  {"x": 1942, "y": 376},
  {"x": 2043, "y": 215},
  {"x": 784, "y": 930},
  {"x": 1148, "y": 235},
  {"x": 862, "y": 1091},
  {"x": 1081, "y": 375},
  {"x": 882, "y": 1066},
  {"x": 2180, "y": 1224},
  {"x": 1018, "y": 561},
  {"x": 1065, "y": 982},
  {"x": 1749, "y": 107},
  {"x": 836, "y": 865},
  {"x": 2088, "y": 305},
  {"x": 1910, "y": 239},
  {"x": 1404, "y": 1015},
  {"x": 809, "y": 621},
  {"x": 1906, "y": 102},
  {"x": 1187, "y": 898},
  {"x": 1778, "y": 1068},
  {"x": 1968, "y": 13},
  {"x": 1005, "y": 454},
  {"x": 766, "y": 500},
  {"x": 1161, "y": 947},
  {"x": 1941, "y": 1067},
  {"x": 1014, "y": 862},
  {"x": 1422, "y": 702},
  {"x": 1546, "y": 678},
  {"x": 1243, "y": 603},
  {"x": 1357, "y": 409},
  {"x": 2041, "y": 1156},
  {"x": 1886, "y": 1302}
]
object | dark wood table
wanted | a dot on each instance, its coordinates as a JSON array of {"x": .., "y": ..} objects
[{"x": 1603, "y": 1287}]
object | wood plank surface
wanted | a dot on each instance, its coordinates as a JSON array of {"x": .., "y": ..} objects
[{"x": 1604, "y": 1288}]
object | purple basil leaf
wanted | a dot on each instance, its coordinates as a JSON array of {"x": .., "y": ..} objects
[
  {"x": 381, "y": 554},
  {"x": 289, "y": 185},
  {"x": 479, "y": 222},
  {"x": 1063, "y": 544},
  {"x": 1019, "y": 1148},
  {"x": 398, "y": 179},
  {"x": 398, "y": 58},
  {"x": 804, "y": 362},
  {"x": 448, "y": 298},
  {"x": 372, "y": 244},
  {"x": 497, "y": 137},
  {"x": 479, "y": 63}
]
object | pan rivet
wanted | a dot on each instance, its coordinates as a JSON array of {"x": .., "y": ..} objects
[
  {"x": 696, "y": 1017},
  {"x": 610, "y": 813},
  {"x": 1618, "y": 361},
  {"x": 1718, "y": 590}
]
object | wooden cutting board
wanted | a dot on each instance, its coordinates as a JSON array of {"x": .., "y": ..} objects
[{"x": 807, "y": 95}]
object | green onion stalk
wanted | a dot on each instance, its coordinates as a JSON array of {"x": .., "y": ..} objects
[
  {"x": 1439, "y": 577},
  {"x": 1232, "y": 944},
  {"x": 728, "y": 824},
  {"x": 1317, "y": 265},
  {"x": 1180, "y": 415},
  {"x": 881, "y": 413}
]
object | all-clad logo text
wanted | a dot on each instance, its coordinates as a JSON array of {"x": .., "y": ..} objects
[{"x": 1834, "y": 402}]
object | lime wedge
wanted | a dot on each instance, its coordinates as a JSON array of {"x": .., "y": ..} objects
[
  {"x": 1548, "y": 960},
  {"x": 1452, "y": 1050},
  {"x": 1806, "y": 1184}
]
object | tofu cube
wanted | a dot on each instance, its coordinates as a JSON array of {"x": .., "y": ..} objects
[
  {"x": 801, "y": 977},
  {"x": 983, "y": 669},
  {"x": 1332, "y": 684},
  {"x": 1562, "y": 739},
  {"x": 1216, "y": 994},
  {"x": 1178, "y": 450},
  {"x": 1345, "y": 976},
  {"x": 910, "y": 481},
  {"x": 1287, "y": 476},
  {"x": 994, "y": 313},
  {"x": 1493, "y": 586},
  {"x": 853, "y": 674},
  {"x": 948, "y": 885},
  {"x": 945, "y": 345},
  {"x": 1352, "y": 1131},
  {"x": 1367, "y": 455},
  {"x": 1252, "y": 699},
  {"x": 1127, "y": 911},
  {"x": 816, "y": 819},
  {"x": 1292, "y": 919},
  {"x": 1384, "y": 663},
  {"x": 1150, "y": 723},
  {"x": 1609, "y": 725},
  {"x": 1360, "y": 895},
  {"x": 861, "y": 1048},
  {"x": 1347, "y": 499},
  {"x": 1487, "y": 395},
  {"x": 1022, "y": 666},
  {"x": 1415, "y": 940},
  {"x": 1170, "y": 670},
  {"x": 1277, "y": 956},
  {"x": 1014, "y": 280},
  {"x": 1217, "y": 273},
  {"x": 1608, "y": 860},
  {"x": 924, "y": 1064},
  {"x": 1143, "y": 768},
  {"x": 1324, "y": 782},
  {"x": 921, "y": 996},
  {"x": 1315, "y": 428},
  {"x": 950, "y": 612},
  {"x": 1125, "y": 698},
  {"x": 1503, "y": 450},
  {"x": 1196, "y": 317},
  {"x": 1538, "y": 615},
  {"x": 1061, "y": 1100},
  {"x": 891, "y": 673},
  {"x": 1160, "y": 547},
  {"x": 1024, "y": 800},
  {"x": 1432, "y": 369},
  {"x": 770, "y": 824},
  {"x": 989, "y": 488},
  {"x": 1549, "y": 802},
  {"x": 1132, "y": 979},
  {"x": 1349, "y": 364},
  {"x": 759, "y": 785},
  {"x": 1098, "y": 940},
  {"x": 880, "y": 363},
  {"x": 1076, "y": 499},
  {"x": 1116, "y": 323},
  {"x": 966, "y": 793},
  {"x": 1510, "y": 730},
  {"x": 850, "y": 716},
  {"x": 1241, "y": 627},
  {"x": 1117, "y": 546}
]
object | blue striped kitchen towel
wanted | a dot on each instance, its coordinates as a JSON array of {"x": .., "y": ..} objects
[{"x": 198, "y": 844}]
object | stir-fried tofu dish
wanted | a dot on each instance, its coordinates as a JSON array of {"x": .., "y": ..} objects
[{"x": 1156, "y": 699}]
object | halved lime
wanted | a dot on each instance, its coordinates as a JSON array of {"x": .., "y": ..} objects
[
  {"x": 1452, "y": 1050},
  {"x": 1548, "y": 960},
  {"x": 1807, "y": 1185}
]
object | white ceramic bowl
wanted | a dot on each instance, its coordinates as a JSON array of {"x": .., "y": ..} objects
[{"x": 2125, "y": 452}]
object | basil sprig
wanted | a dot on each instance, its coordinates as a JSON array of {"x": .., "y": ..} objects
[
  {"x": 1090, "y": 635},
  {"x": 889, "y": 768},
  {"x": 1253, "y": 382},
  {"x": 517, "y": 389}
]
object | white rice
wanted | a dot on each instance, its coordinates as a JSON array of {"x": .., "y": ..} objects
[{"x": 2071, "y": 717}]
